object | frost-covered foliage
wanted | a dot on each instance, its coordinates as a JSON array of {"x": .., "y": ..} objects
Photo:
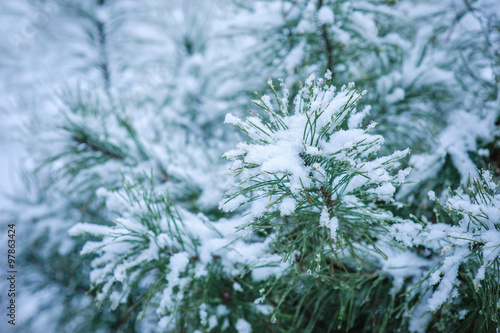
[
  {"x": 316, "y": 160},
  {"x": 322, "y": 221},
  {"x": 172, "y": 257},
  {"x": 467, "y": 239},
  {"x": 465, "y": 35},
  {"x": 104, "y": 111},
  {"x": 376, "y": 43}
]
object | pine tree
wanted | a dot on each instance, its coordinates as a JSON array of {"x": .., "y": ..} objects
[{"x": 361, "y": 191}]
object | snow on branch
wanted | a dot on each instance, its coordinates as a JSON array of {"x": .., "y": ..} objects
[{"x": 317, "y": 159}]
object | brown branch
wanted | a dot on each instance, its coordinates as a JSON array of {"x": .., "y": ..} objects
[
  {"x": 328, "y": 200},
  {"x": 328, "y": 43}
]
